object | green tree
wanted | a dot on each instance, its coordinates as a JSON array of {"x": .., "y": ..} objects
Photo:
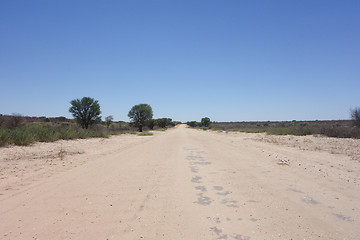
[
  {"x": 108, "y": 120},
  {"x": 85, "y": 111},
  {"x": 140, "y": 114},
  {"x": 192, "y": 123},
  {"x": 205, "y": 122},
  {"x": 163, "y": 122}
]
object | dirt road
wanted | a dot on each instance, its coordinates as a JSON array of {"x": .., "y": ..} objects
[{"x": 190, "y": 184}]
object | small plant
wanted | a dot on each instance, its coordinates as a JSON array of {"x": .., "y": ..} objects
[
  {"x": 62, "y": 153},
  {"x": 145, "y": 134}
]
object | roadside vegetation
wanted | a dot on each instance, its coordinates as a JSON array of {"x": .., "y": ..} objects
[
  {"x": 33, "y": 129},
  {"x": 336, "y": 128},
  {"x": 87, "y": 123},
  {"x": 22, "y": 131},
  {"x": 204, "y": 124}
]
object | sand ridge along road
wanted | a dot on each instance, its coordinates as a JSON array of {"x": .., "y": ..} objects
[{"x": 189, "y": 184}]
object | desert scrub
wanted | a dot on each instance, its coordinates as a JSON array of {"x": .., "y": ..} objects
[
  {"x": 333, "y": 128},
  {"x": 5, "y": 137},
  {"x": 249, "y": 130},
  {"x": 67, "y": 134},
  {"x": 45, "y": 133},
  {"x": 22, "y": 136},
  {"x": 289, "y": 131}
]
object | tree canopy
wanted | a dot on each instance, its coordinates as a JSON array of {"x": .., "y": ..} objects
[
  {"x": 85, "y": 111},
  {"x": 205, "y": 122},
  {"x": 163, "y": 122},
  {"x": 140, "y": 114}
]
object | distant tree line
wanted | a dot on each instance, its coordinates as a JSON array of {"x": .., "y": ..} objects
[
  {"x": 86, "y": 112},
  {"x": 204, "y": 122}
]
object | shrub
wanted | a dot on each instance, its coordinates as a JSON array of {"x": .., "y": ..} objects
[
  {"x": 46, "y": 134},
  {"x": 5, "y": 137},
  {"x": 67, "y": 134},
  {"x": 22, "y": 137}
]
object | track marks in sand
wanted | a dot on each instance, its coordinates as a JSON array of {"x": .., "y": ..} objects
[{"x": 208, "y": 194}]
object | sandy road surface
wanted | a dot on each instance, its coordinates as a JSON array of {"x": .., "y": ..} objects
[{"x": 188, "y": 184}]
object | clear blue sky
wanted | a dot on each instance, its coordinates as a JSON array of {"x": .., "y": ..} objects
[{"x": 228, "y": 60}]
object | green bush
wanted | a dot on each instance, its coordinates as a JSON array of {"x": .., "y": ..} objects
[
  {"x": 22, "y": 137},
  {"x": 67, "y": 134},
  {"x": 5, "y": 137},
  {"x": 192, "y": 123}
]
